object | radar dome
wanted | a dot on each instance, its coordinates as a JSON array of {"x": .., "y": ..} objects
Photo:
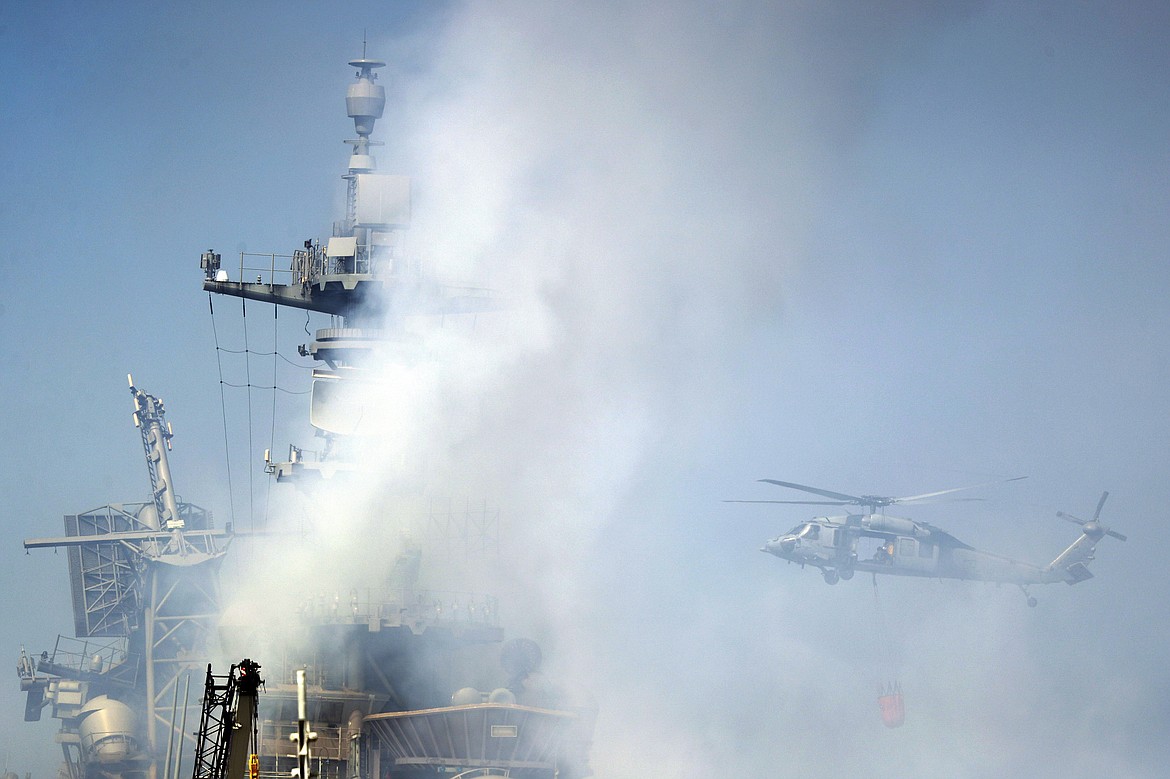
[
  {"x": 148, "y": 516},
  {"x": 467, "y": 696},
  {"x": 107, "y": 730}
]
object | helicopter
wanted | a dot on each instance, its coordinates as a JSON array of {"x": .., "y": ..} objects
[{"x": 878, "y": 543}]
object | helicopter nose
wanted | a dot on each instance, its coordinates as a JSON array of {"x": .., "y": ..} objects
[{"x": 776, "y": 546}]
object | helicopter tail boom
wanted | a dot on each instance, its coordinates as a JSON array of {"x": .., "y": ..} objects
[{"x": 1072, "y": 565}]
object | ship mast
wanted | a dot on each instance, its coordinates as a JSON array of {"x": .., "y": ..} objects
[
  {"x": 144, "y": 576},
  {"x": 149, "y": 418},
  {"x": 361, "y": 274},
  {"x": 351, "y": 276}
]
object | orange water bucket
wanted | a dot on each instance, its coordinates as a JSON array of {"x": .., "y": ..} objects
[{"x": 893, "y": 707}]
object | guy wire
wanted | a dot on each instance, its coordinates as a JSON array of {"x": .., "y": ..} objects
[{"x": 227, "y": 455}]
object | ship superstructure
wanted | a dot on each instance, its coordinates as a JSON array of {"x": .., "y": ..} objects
[
  {"x": 399, "y": 681},
  {"x": 144, "y": 580},
  {"x": 361, "y": 275},
  {"x": 403, "y": 682}
]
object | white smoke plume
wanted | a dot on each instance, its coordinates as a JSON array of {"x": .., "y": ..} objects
[
  {"x": 633, "y": 180},
  {"x": 636, "y": 181},
  {"x": 632, "y": 189}
]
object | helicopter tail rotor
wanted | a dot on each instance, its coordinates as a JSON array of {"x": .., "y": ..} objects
[
  {"x": 1093, "y": 527},
  {"x": 1072, "y": 565}
]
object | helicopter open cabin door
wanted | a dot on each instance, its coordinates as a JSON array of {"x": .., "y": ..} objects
[
  {"x": 915, "y": 555},
  {"x": 878, "y": 548}
]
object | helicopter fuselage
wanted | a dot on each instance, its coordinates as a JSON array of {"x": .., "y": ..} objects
[
  {"x": 879, "y": 543},
  {"x": 882, "y": 544}
]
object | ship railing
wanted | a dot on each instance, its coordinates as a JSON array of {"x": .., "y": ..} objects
[
  {"x": 302, "y": 267},
  {"x": 332, "y": 742},
  {"x": 305, "y": 266},
  {"x": 278, "y": 766},
  {"x": 297, "y": 454},
  {"x": 252, "y": 265},
  {"x": 76, "y": 658},
  {"x": 412, "y": 607}
]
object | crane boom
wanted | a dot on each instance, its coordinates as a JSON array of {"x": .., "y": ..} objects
[{"x": 227, "y": 723}]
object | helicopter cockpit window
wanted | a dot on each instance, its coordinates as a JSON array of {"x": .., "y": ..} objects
[{"x": 811, "y": 532}]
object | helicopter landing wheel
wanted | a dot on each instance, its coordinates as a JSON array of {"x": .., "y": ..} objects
[
  {"x": 1032, "y": 601},
  {"x": 845, "y": 573},
  {"x": 831, "y": 577}
]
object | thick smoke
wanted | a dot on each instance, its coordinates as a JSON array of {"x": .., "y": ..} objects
[
  {"x": 633, "y": 181},
  {"x": 636, "y": 181},
  {"x": 633, "y": 190},
  {"x": 632, "y": 194}
]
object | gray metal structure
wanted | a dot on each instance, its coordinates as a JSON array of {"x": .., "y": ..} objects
[
  {"x": 146, "y": 576},
  {"x": 406, "y": 649},
  {"x": 523, "y": 741},
  {"x": 362, "y": 274},
  {"x": 378, "y": 662}
]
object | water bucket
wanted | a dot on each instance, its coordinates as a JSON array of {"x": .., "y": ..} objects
[{"x": 893, "y": 706}]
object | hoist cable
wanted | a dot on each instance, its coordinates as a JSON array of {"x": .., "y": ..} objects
[{"x": 883, "y": 631}]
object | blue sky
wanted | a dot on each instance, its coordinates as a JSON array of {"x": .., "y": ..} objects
[{"x": 881, "y": 248}]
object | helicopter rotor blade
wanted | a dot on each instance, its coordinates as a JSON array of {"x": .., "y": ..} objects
[
  {"x": 817, "y": 491},
  {"x": 1100, "y": 503},
  {"x": 797, "y": 502},
  {"x": 1097, "y": 513},
  {"x": 916, "y": 498},
  {"x": 875, "y": 501},
  {"x": 1070, "y": 518}
]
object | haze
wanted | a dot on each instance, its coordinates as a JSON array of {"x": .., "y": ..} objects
[{"x": 879, "y": 249}]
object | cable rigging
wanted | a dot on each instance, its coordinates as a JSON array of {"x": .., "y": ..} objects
[
  {"x": 223, "y": 412},
  {"x": 275, "y": 384},
  {"x": 265, "y": 387},
  {"x": 249, "y": 385},
  {"x": 267, "y": 354},
  {"x": 251, "y": 446}
]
